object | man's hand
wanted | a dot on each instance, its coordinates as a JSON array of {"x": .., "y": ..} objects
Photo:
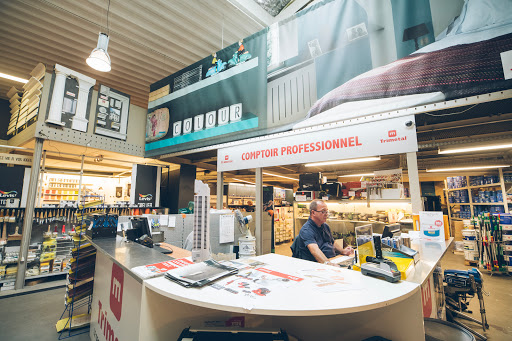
[{"x": 348, "y": 251}]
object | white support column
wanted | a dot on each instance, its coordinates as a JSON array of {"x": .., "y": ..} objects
[
  {"x": 259, "y": 211},
  {"x": 220, "y": 190},
  {"x": 79, "y": 120},
  {"x": 414, "y": 182},
  {"x": 55, "y": 113}
]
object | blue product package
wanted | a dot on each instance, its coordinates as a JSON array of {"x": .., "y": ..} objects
[{"x": 506, "y": 218}]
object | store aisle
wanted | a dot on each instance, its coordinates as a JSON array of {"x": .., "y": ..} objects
[{"x": 33, "y": 316}]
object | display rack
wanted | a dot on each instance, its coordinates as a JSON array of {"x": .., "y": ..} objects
[
  {"x": 81, "y": 274},
  {"x": 494, "y": 242},
  {"x": 465, "y": 191}
]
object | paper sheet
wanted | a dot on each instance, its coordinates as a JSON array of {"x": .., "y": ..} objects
[
  {"x": 172, "y": 221},
  {"x": 226, "y": 228},
  {"x": 164, "y": 220}
]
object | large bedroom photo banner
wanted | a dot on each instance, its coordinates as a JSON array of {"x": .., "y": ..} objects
[{"x": 270, "y": 81}]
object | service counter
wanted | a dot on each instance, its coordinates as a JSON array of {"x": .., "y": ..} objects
[{"x": 124, "y": 305}]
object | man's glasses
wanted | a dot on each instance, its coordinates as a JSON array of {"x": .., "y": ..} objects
[{"x": 323, "y": 212}]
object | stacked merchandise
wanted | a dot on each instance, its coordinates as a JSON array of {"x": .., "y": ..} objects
[
  {"x": 29, "y": 105},
  {"x": 492, "y": 241},
  {"x": 506, "y": 230},
  {"x": 15, "y": 101},
  {"x": 81, "y": 270}
]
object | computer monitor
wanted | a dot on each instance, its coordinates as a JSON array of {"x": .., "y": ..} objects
[{"x": 140, "y": 227}]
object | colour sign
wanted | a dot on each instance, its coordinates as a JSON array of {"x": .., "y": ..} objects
[{"x": 391, "y": 136}]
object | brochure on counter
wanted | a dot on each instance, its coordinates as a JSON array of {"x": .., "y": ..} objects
[
  {"x": 158, "y": 269},
  {"x": 200, "y": 274}
]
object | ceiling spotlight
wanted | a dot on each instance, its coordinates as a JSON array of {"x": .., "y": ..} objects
[
  {"x": 280, "y": 176},
  {"x": 355, "y": 175},
  {"x": 13, "y": 78},
  {"x": 98, "y": 158},
  {"x": 465, "y": 168},
  {"x": 99, "y": 58},
  {"x": 475, "y": 148},
  {"x": 338, "y": 162}
]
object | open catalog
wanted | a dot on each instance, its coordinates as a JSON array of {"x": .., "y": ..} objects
[{"x": 200, "y": 274}]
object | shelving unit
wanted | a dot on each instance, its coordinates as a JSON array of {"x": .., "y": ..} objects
[
  {"x": 57, "y": 189},
  {"x": 471, "y": 189},
  {"x": 283, "y": 224}
]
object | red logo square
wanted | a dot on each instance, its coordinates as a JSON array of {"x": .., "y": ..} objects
[
  {"x": 226, "y": 157},
  {"x": 392, "y": 133},
  {"x": 116, "y": 291}
]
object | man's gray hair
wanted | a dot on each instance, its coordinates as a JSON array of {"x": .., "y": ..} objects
[{"x": 314, "y": 205}]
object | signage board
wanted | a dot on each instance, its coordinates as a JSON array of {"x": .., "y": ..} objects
[
  {"x": 16, "y": 159},
  {"x": 146, "y": 188},
  {"x": 391, "y": 136},
  {"x": 112, "y": 113},
  {"x": 432, "y": 226}
]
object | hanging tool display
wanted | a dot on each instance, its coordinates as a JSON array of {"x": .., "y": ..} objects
[{"x": 490, "y": 242}]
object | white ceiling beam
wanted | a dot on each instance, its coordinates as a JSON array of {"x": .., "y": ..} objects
[
  {"x": 254, "y": 12},
  {"x": 292, "y": 8}
]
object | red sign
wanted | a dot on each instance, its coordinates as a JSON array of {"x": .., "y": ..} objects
[
  {"x": 116, "y": 291},
  {"x": 426, "y": 299},
  {"x": 392, "y": 133}
]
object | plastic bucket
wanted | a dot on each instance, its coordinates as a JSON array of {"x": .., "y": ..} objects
[
  {"x": 246, "y": 247},
  {"x": 469, "y": 234},
  {"x": 471, "y": 256}
]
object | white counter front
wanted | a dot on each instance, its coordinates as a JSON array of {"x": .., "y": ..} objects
[
  {"x": 308, "y": 300},
  {"x": 342, "y": 300}
]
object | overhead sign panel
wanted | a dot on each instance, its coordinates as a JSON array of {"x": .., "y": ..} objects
[{"x": 391, "y": 136}]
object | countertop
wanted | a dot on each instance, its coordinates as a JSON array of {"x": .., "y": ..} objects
[
  {"x": 288, "y": 298},
  {"x": 430, "y": 254},
  {"x": 128, "y": 254}
]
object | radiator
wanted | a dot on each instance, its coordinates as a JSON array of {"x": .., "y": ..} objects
[{"x": 290, "y": 95}]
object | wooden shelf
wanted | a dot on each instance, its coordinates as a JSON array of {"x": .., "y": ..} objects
[
  {"x": 488, "y": 203},
  {"x": 475, "y": 187}
]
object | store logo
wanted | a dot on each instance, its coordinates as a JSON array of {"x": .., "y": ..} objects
[
  {"x": 10, "y": 194},
  {"x": 439, "y": 223},
  {"x": 116, "y": 291},
  {"x": 393, "y": 137},
  {"x": 145, "y": 197},
  {"x": 226, "y": 159}
]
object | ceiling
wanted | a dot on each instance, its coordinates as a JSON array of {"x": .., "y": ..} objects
[{"x": 150, "y": 40}]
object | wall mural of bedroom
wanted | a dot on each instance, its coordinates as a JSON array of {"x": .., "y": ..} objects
[{"x": 270, "y": 81}]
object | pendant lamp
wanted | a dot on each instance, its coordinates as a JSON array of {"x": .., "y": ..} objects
[{"x": 99, "y": 58}]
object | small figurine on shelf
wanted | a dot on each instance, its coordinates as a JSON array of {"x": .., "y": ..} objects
[{"x": 241, "y": 55}]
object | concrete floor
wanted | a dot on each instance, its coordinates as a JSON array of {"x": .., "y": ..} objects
[{"x": 33, "y": 316}]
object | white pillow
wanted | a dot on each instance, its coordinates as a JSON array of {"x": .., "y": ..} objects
[
  {"x": 455, "y": 24},
  {"x": 482, "y": 13}
]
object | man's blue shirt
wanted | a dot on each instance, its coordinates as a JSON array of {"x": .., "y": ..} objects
[{"x": 310, "y": 233}]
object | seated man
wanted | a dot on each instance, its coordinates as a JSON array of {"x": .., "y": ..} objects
[{"x": 315, "y": 241}]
